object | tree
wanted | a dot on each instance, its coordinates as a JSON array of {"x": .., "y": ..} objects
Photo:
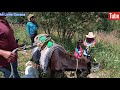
[{"x": 66, "y": 24}]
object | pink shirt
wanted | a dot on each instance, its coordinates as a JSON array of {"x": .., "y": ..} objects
[
  {"x": 78, "y": 55},
  {"x": 7, "y": 40}
]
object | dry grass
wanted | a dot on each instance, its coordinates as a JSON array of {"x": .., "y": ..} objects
[{"x": 110, "y": 38}]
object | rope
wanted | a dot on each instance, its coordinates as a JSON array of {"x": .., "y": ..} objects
[
  {"x": 12, "y": 73},
  {"x": 76, "y": 67}
]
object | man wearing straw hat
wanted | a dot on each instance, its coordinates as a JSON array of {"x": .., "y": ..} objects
[
  {"x": 31, "y": 28},
  {"x": 89, "y": 43}
]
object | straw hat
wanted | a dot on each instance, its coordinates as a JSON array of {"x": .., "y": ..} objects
[
  {"x": 90, "y": 35},
  {"x": 29, "y": 16}
]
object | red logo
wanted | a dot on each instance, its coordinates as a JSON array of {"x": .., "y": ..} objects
[{"x": 114, "y": 15}]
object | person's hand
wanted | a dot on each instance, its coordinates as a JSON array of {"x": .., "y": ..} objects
[
  {"x": 93, "y": 45},
  {"x": 11, "y": 57}
]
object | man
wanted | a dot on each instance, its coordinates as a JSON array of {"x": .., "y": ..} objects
[
  {"x": 7, "y": 45},
  {"x": 89, "y": 44},
  {"x": 31, "y": 28}
]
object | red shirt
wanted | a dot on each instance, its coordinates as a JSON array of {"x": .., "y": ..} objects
[
  {"x": 86, "y": 43},
  {"x": 7, "y": 40}
]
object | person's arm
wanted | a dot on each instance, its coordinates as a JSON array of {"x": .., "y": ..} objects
[
  {"x": 84, "y": 45},
  {"x": 28, "y": 29},
  {"x": 37, "y": 25},
  {"x": 94, "y": 43},
  {"x": 1, "y": 52},
  {"x": 8, "y": 55}
]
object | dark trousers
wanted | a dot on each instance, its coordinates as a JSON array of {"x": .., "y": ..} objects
[{"x": 32, "y": 38}]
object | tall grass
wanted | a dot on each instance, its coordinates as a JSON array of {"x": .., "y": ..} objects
[{"x": 107, "y": 52}]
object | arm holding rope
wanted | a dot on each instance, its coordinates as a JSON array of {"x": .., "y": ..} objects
[{"x": 10, "y": 56}]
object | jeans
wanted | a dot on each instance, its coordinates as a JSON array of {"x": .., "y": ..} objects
[{"x": 7, "y": 72}]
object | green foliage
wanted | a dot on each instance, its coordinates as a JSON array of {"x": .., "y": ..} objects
[
  {"x": 107, "y": 55},
  {"x": 67, "y": 23}
]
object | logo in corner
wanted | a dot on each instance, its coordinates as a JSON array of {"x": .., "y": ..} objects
[{"x": 114, "y": 15}]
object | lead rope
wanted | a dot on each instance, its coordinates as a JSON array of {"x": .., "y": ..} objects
[
  {"x": 76, "y": 67},
  {"x": 12, "y": 73}
]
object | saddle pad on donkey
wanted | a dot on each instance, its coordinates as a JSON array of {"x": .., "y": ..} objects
[{"x": 46, "y": 54}]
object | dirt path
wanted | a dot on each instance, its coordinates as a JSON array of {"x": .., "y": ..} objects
[{"x": 100, "y": 74}]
